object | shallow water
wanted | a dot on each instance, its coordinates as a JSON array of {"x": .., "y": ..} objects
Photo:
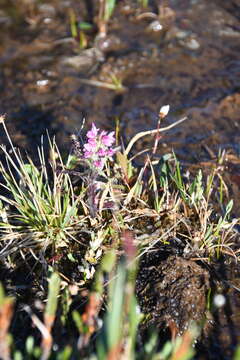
[{"x": 193, "y": 65}]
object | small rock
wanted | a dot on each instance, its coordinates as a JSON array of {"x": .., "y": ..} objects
[
  {"x": 155, "y": 26},
  {"x": 191, "y": 44}
]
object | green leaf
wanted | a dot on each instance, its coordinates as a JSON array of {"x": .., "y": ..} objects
[
  {"x": 109, "y": 7},
  {"x": 166, "y": 351},
  {"x": 114, "y": 317},
  {"x": 78, "y": 321},
  {"x": 65, "y": 354},
  {"x": 237, "y": 353},
  {"x": 108, "y": 261},
  {"x": 29, "y": 345},
  {"x": 2, "y": 295},
  {"x": 17, "y": 355},
  {"x": 71, "y": 258},
  {"x": 229, "y": 207},
  {"x": 53, "y": 291},
  {"x": 85, "y": 25}
]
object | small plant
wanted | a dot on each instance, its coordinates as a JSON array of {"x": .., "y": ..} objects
[
  {"x": 44, "y": 209},
  {"x": 114, "y": 83},
  {"x": 106, "y": 8},
  {"x": 78, "y": 30},
  {"x": 143, "y": 3}
]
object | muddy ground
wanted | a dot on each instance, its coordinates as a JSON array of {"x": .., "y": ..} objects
[{"x": 192, "y": 63}]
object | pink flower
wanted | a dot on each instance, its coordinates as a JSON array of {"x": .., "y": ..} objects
[
  {"x": 91, "y": 134},
  {"x": 89, "y": 147},
  {"x": 102, "y": 152},
  {"x": 109, "y": 139},
  {"x": 110, "y": 152},
  {"x": 93, "y": 142},
  {"x": 99, "y": 163},
  {"x": 88, "y": 154},
  {"x": 98, "y": 147}
]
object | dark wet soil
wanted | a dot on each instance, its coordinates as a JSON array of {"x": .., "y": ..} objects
[
  {"x": 192, "y": 64},
  {"x": 174, "y": 290},
  {"x": 176, "y": 293}
]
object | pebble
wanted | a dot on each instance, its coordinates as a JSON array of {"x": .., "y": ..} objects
[
  {"x": 43, "y": 82},
  {"x": 191, "y": 44},
  {"x": 181, "y": 34},
  {"x": 155, "y": 26}
]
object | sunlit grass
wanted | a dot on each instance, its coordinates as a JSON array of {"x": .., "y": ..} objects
[{"x": 40, "y": 208}]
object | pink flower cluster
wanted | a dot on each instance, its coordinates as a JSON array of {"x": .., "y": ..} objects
[{"x": 98, "y": 147}]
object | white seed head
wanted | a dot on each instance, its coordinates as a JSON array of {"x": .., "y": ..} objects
[{"x": 164, "y": 111}]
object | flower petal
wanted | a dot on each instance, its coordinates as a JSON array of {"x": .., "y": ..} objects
[
  {"x": 109, "y": 139},
  {"x": 91, "y": 134},
  {"x": 164, "y": 111},
  {"x": 99, "y": 163}
]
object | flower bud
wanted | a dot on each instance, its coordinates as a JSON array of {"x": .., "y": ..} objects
[{"x": 164, "y": 111}]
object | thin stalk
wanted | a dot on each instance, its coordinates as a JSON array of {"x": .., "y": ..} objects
[{"x": 151, "y": 132}]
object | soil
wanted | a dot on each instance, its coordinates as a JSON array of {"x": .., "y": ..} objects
[
  {"x": 175, "y": 294},
  {"x": 172, "y": 291},
  {"x": 192, "y": 63}
]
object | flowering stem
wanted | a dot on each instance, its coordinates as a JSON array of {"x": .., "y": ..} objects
[
  {"x": 150, "y": 132},
  {"x": 92, "y": 190}
]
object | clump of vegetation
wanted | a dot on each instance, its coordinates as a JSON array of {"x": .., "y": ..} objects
[
  {"x": 80, "y": 215},
  {"x": 79, "y": 29},
  {"x": 42, "y": 210}
]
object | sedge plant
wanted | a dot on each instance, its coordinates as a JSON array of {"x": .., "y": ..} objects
[{"x": 40, "y": 209}]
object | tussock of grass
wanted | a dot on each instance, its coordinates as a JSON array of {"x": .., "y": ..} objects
[{"x": 42, "y": 208}]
